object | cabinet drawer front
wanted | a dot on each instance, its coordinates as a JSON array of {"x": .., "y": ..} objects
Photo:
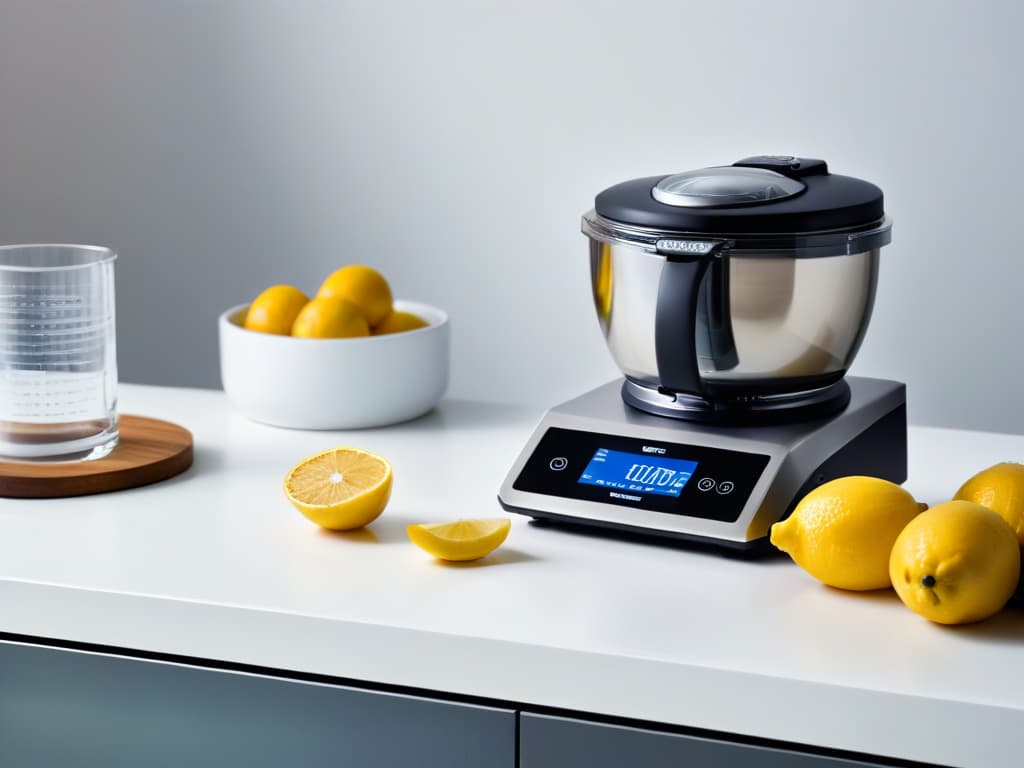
[
  {"x": 558, "y": 742},
  {"x": 67, "y": 708}
]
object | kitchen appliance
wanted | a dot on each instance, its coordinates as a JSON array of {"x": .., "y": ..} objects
[{"x": 733, "y": 299}]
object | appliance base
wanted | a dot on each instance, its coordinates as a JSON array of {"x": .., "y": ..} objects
[
  {"x": 868, "y": 438},
  {"x": 775, "y": 409}
]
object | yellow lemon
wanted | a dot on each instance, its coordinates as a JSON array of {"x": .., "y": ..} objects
[
  {"x": 602, "y": 283},
  {"x": 956, "y": 563},
  {"x": 398, "y": 322},
  {"x": 1001, "y": 489},
  {"x": 461, "y": 540},
  {"x": 275, "y": 310},
  {"x": 842, "y": 532},
  {"x": 340, "y": 489},
  {"x": 363, "y": 286},
  {"x": 330, "y": 318}
]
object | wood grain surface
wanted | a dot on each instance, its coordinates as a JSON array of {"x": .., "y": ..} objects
[{"x": 148, "y": 450}]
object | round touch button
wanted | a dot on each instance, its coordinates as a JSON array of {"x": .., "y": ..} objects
[
  {"x": 558, "y": 463},
  {"x": 705, "y": 484},
  {"x": 725, "y": 487}
]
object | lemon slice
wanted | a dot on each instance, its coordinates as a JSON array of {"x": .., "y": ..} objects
[
  {"x": 340, "y": 489},
  {"x": 461, "y": 540}
]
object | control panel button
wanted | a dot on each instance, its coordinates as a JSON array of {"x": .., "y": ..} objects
[
  {"x": 725, "y": 487},
  {"x": 558, "y": 463},
  {"x": 705, "y": 484}
]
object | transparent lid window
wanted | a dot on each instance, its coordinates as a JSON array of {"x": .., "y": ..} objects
[{"x": 728, "y": 185}]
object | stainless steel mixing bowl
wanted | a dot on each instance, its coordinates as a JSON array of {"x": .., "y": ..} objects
[
  {"x": 793, "y": 322},
  {"x": 732, "y": 317}
]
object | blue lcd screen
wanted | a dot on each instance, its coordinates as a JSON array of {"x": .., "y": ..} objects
[{"x": 640, "y": 473}]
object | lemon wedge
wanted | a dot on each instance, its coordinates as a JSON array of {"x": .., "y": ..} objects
[
  {"x": 461, "y": 540},
  {"x": 340, "y": 489}
]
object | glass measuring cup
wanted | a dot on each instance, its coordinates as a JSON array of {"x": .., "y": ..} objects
[{"x": 58, "y": 359}]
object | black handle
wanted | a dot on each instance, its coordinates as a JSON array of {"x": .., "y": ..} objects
[
  {"x": 718, "y": 315},
  {"x": 794, "y": 167},
  {"x": 675, "y": 325}
]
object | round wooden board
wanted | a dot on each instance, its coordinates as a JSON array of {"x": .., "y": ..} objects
[{"x": 148, "y": 450}]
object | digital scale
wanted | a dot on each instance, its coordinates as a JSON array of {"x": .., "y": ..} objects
[{"x": 596, "y": 461}]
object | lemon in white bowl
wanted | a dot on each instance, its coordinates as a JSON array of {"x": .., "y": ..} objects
[{"x": 335, "y": 383}]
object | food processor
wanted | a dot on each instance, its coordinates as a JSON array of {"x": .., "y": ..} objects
[{"x": 733, "y": 299}]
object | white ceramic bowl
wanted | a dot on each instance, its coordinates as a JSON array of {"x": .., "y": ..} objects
[{"x": 335, "y": 383}]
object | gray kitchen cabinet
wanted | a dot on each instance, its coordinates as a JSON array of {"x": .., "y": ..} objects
[
  {"x": 70, "y": 708},
  {"x": 560, "y": 742}
]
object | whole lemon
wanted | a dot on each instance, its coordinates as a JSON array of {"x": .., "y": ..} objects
[
  {"x": 330, "y": 318},
  {"x": 275, "y": 310},
  {"x": 956, "y": 563},
  {"x": 842, "y": 532},
  {"x": 363, "y": 286},
  {"x": 399, "y": 322},
  {"x": 1001, "y": 489}
]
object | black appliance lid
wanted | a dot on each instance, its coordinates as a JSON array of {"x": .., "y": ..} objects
[{"x": 762, "y": 194}]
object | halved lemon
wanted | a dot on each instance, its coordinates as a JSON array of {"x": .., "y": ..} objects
[
  {"x": 340, "y": 489},
  {"x": 461, "y": 540}
]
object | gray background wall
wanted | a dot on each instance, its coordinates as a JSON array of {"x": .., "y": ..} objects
[{"x": 224, "y": 146}]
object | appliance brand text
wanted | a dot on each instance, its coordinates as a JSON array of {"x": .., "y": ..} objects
[
  {"x": 699, "y": 247},
  {"x": 653, "y": 449},
  {"x": 626, "y": 496}
]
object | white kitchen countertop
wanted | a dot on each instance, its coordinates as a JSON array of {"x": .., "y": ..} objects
[{"x": 216, "y": 564}]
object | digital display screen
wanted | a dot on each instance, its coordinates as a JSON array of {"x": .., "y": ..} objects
[{"x": 638, "y": 473}]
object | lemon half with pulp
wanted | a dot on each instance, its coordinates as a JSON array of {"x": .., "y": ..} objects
[{"x": 340, "y": 489}]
